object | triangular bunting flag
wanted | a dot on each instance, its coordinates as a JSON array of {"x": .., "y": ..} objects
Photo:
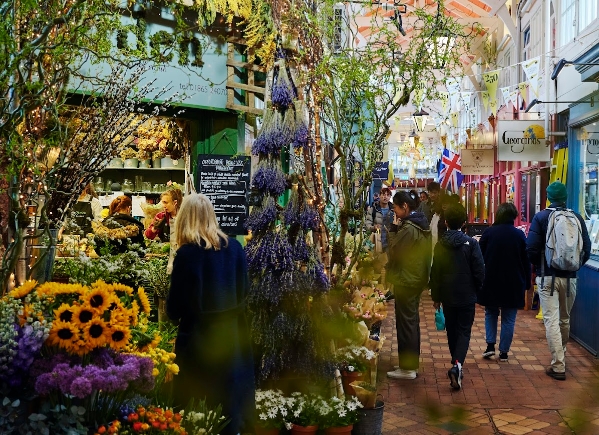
[
  {"x": 491, "y": 79},
  {"x": 485, "y": 97},
  {"x": 531, "y": 69}
]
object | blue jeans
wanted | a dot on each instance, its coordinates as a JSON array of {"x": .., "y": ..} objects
[{"x": 508, "y": 321}]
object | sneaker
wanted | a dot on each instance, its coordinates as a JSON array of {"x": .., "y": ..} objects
[
  {"x": 455, "y": 377},
  {"x": 490, "y": 352},
  {"x": 389, "y": 296},
  {"x": 560, "y": 376},
  {"x": 402, "y": 374},
  {"x": 503, "y": 356}
]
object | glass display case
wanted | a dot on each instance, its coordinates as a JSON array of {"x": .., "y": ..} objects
[{"x": 591, "y": 192}]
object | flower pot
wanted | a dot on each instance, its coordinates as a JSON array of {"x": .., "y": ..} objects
[
  {"x": 297, "y": 430},
  {"x": 347, "y": 378},
  {"x": 344, "y": 430},
  {"x": 115, "y": 163},
  {"x": 146, "y": 163},
  {"x": 168, "y": 162},
  {"x": 131, "y": 163},
  {"x": 263, "y": 431},
  {"x": 156, "y": 163},
  {"x": 371, "y": 420}
]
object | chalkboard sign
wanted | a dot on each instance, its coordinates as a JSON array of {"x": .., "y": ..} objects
[{"x": 226, "y": 180}]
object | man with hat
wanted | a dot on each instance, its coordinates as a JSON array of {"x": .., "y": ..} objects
[{"x": 556, "y": 288}]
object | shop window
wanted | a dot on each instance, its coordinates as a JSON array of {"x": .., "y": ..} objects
[
  {"x": 589, "y": 136},
  {"x": 567, "y": 30},
  {"x": 587, "y": 13}
]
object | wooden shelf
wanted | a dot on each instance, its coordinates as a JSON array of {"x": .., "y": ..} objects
[{"x": 145, "y": 169}]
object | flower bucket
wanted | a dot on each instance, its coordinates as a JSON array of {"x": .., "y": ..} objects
[
  {"x": 371, "y": 420},
  {"x": 146, "y": 163},
  {"x": 297, "y": 430},
  {"x": 156, "y": 163},
  {"x": 345, "y": 430},
  {"x": 263, "y": 431},
  {"x": 347, "y": 378},
  {"x": 168, "y": 162},
  {"x": 131, "y": 163},
  {"x": 115, "y": 163}
]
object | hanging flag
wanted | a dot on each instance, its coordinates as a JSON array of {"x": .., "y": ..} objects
[
  {"x": 531, "y": 69},
  {"x": 466, "y": 96},
  {"x": 491, "y": 79},
  {"x": 493, "y": 106},
  {"x": 505, "y": 92},
  {"x": 391, "y": 176},
  {"x": 450, "y": 171},
  {"x": 418, "y": 94},
  {"x": 444, "y": 96},
  {"x": 514, "y": 98},
  {"x": 485, "y": 97},
  {"x": 522, "y": 88},
  {"x": 454, "y": 118}
]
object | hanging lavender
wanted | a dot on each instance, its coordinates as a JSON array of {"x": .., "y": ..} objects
[
  {"x": 271, "y": 252},
  {"x": 309, "y": 218},
  {"x": 269, "y": 178},
  {"x": 260, "y": 145},
  {"x": 292, "y": 212},
  {"x": 261, "y": 219},
  {"x": 282, "y": 94},
  {"x": 300, "y": 137}
]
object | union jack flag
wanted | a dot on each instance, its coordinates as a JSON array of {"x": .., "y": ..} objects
[{"x": 450, "y": 171}]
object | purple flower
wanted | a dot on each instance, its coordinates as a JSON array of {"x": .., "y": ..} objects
[
  {"x": 282, "y": 93},
  {"x": 269, "y": 253},
  {"x": 309, "y": 218},
  {"x": 262, "y": 218},
  {"x": 81, "y": 387},
  {"x": 300, "y": 139},
  {"x": 270, "y": 179}
]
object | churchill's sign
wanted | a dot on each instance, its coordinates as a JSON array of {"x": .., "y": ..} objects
[
  {"x": 478, "y": 162},
  {"x": 522, "y": 141}
]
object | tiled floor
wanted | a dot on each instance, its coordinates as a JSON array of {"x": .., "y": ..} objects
[{"x": 514, "y": 397}]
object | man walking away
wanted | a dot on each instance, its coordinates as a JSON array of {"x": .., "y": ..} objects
[
  {"x": 457, "y": 276},
  {"x": 428, "y": 208},
  {"x": 558, "y": 244}
]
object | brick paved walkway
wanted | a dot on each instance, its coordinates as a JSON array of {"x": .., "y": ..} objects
[{"x": 514, "y": 397}]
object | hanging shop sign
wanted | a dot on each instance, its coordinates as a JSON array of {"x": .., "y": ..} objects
[
  {"x": 225, "y": 180},
  {"x": 522, "y": 141},
  {"x": 380, "y": 171},
  {"x": 196, "y": 69},
  {"x": 478, "y": 162}
]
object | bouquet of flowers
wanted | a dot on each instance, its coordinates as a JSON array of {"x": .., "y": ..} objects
[
  {"x": 272, "y": 408},
  {"x": 367, "y": 304},
  {"x": 354, "y": 358},
  {"x": 304, "y": 410},
  {"x": 338, "y": 412}
]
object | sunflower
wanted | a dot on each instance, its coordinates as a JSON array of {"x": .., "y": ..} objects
[
  {"x": 65, "y": 313},
  {"x": 95, "y": 333},
  {"x": 82, "y": 315},
  {"x": 98, "y": 299},
  {"x": 55, "y": 288},
  {"x": 143, "y": 299},
  {"x": 119, "y": 337},
  {"x": 23, "y": 290},
  {"x": 63, "y": 334},
  {"x": 134, "y": 313}
]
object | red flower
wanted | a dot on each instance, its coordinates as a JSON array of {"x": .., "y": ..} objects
[{"x": 137, "y": 426}]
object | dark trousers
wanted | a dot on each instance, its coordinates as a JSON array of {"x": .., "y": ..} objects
[
  {"x": 407, "y": 323},
  {"x": 458, "y": 323}
]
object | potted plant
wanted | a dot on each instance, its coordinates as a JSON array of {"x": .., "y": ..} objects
[
  {"x": 174, "y": 143},
  {"x": 339, "y": 415},
  {"x": 304, "y": 413},
  {"x": 157, "y": 156},
  {"x": 145, "y": 158},
  {"x": 353, "y": 361},
  {"x": 271, "y": 408},
  {"x": 159, "y": 281},
  {"x": 129, "y": 155}
]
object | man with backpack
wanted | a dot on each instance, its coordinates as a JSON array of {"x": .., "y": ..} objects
[{"x": 558, "y": 244}]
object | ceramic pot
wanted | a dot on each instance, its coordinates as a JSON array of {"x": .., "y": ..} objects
[
  {"x": 146, "y": 163},
  {"x": 131, "y": 163},
  {"x": 344, "y": 430},
  {"x": 347, "y": 378},
  {"x": 298, "y": 430},
  {"x": 168, "y": 162},
  {"x": 115, "y": 163},
  {"x": 156, "y": 163}
]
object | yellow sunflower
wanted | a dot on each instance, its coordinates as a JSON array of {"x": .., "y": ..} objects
[
  {"x": 82, "y": 315},
  {"x": 63, "y": 334},
  {"x": 143, "y": 299},
  {"x": 98, "y": 299},
  {"x": 134, "y": 313},
  {"x": 55, "y": 288},
  {"x": 119, "y": 337},
  {"x": 65, "y": 313},
  {"x": 23, "y": 290},
  {"x": 95, "y": 333}
]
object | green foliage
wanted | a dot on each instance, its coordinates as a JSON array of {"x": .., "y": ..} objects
[
  {"x": 16, "y": 419},
  {"x": 158, "y": 280}
]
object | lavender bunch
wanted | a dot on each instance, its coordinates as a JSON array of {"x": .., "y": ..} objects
[
  {"x": 269, "y": 290},
  {"x": 271, "y": 139},
  {"x": 269, "y": 253},
  {"x": 282, "y": 93},
  {"x": 262, "y": 218},
  {"x": 291, "y": 212},
  {"x": 300, "y": 137},
  {"x": 260, "y": 145},
  {"x": 309, "y": 218},
  {"x": 269, "y": 178}
]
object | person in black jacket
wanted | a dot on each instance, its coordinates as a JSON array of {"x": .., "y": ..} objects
[
  {"x": 507, "y": 277},
  {"x": 556, "y": 300},
  {"x": 119, "y": 230},
  {"x": 457, "y": 276}
]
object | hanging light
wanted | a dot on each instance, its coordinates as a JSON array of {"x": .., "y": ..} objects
[
  {"x": 414, "y": 138},
  {"x": 441, "y": 41},
  {"x": 420, "y": 118}
]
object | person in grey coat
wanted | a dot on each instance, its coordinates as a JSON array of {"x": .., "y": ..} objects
[
  {"x": 380, "y": 216},
  {"x": 507, "y": 277}
]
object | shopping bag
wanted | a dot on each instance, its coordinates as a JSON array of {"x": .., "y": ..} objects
[{"x": 440, "y": 319}]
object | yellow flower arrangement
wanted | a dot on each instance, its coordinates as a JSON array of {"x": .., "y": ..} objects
[
  {"x": 55, "y": 288},
  {"x": 64, "y": 335},
  {"x": 65, "y": 313},
  {"x": 96, "y": 333},
  {"x": 143, "y": 299},
  {"x": 23, "y": 290},
  {"x": 98, "y": 299}
]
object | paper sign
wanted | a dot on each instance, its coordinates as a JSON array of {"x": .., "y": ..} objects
[
  {"x": 478, "y": 162},
  {"x": 522, "y": 141}
]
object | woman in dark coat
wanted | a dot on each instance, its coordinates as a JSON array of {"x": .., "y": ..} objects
[
  {"x": 507, "y": 277},
  {"x": 408, "y": 269},
  {"x": 119, "y": 230},
  {"x": 207, "y": 296}
]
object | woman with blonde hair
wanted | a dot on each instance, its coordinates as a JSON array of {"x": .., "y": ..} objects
[
  {"x": 209, "y": 286},
  {"x": 163, "y": 225}
]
